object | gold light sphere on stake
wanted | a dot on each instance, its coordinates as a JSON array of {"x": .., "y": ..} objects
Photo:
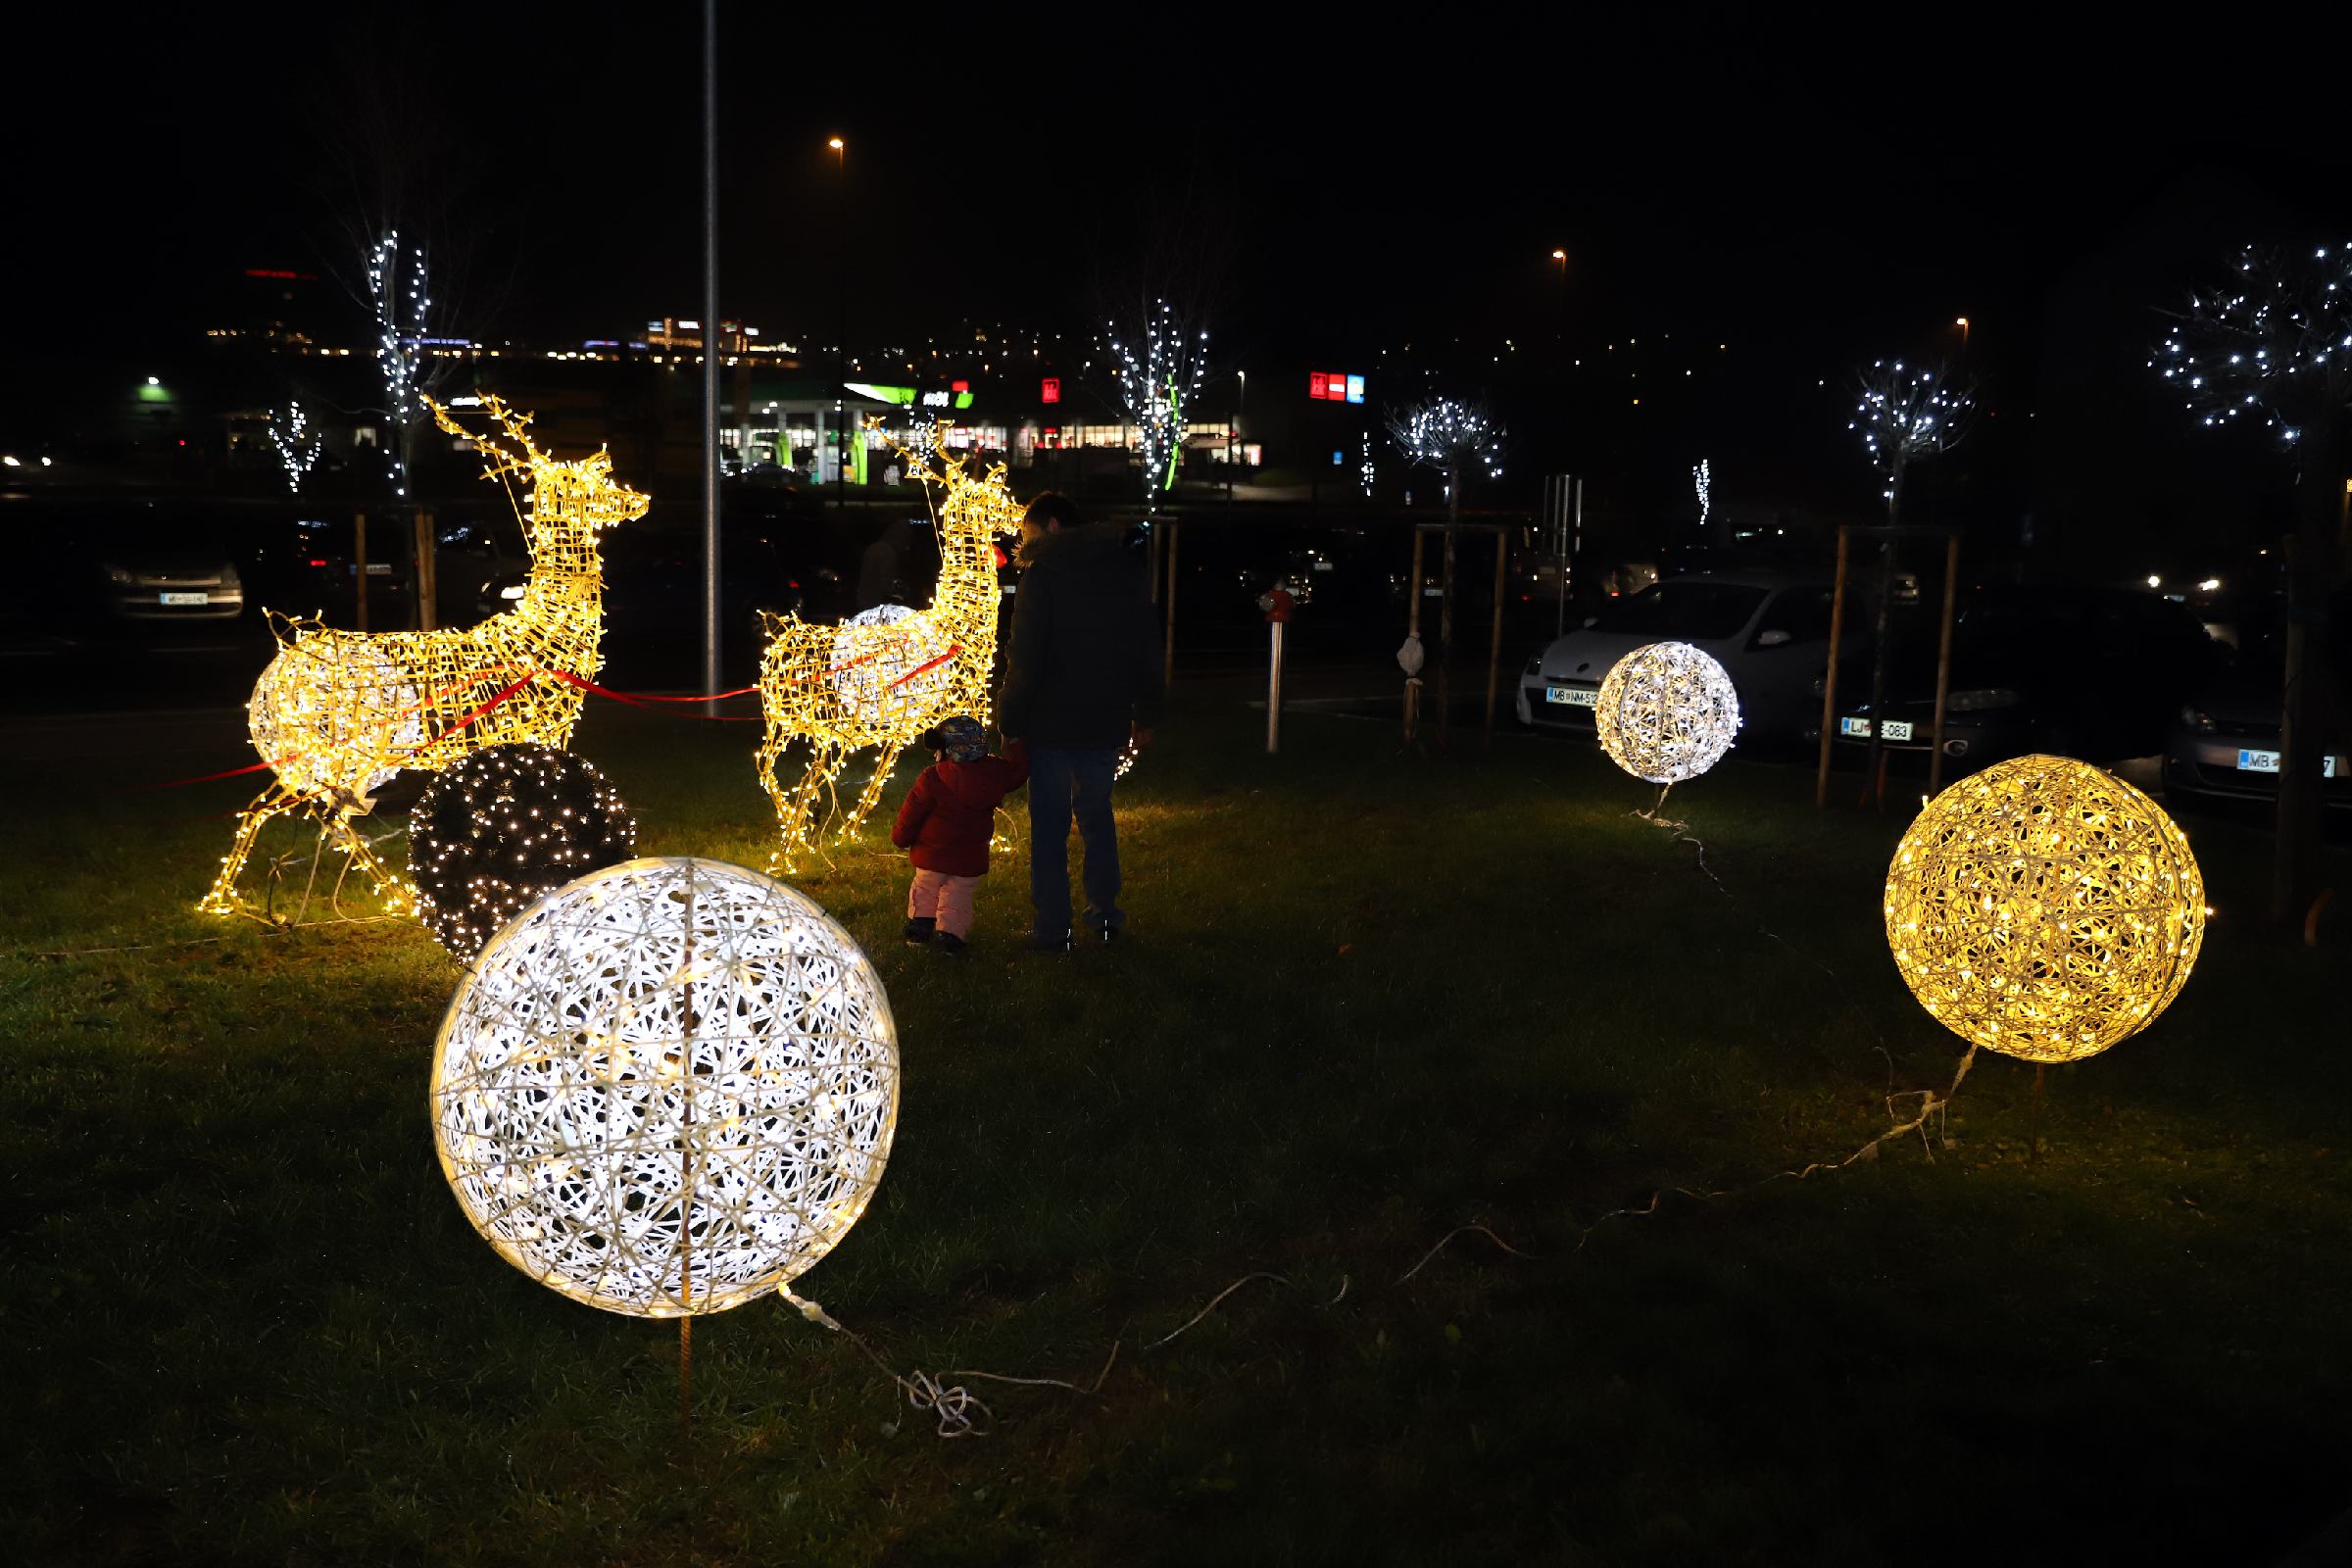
[
  {"x": 667, "y": 1088},
  {"x": 2044, "y": 908},
  {"x": 1667, "y": 712}
]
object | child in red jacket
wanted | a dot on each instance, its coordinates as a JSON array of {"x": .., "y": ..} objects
[{"x": 945, "y": 827}]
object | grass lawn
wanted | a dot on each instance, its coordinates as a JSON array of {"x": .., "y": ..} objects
[{"x": 1368, "y": 997}]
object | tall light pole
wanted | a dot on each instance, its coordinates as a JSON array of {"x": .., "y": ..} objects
[
  {"x": 1962, "y": 324},
  {"x": 1560, "y": 255},
  {"x": 711, "y": 596},
  {"x": 841, "y": 316}
]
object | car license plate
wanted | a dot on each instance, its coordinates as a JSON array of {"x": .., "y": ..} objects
[
  {"x": 185, "y": 599},
  {"x": 1572, "y": 696},
  {"x": 1854, "y": 726},
  {"x": 2250, "y": 760},
  {"x": 1898, "y": 729}
]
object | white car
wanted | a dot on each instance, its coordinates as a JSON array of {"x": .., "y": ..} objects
[{"x": 1770, "y": 630}]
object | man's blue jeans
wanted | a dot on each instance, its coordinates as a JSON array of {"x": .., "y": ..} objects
[{"x": 1066, "y": 781}]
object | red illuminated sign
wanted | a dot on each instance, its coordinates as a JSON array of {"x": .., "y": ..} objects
[
  {"x": 1334, "y": 386},
  {"x": 1318, "y": 385},
  {"x": 1052, "y": 389},
  {"x": 960, "y": 386}
]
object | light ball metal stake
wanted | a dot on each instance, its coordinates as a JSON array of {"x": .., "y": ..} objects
[
  {"x": 2044, "y": 908},
  {"x": 666, "y": 1089}
]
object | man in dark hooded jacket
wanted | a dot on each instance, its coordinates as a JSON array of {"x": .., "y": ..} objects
[{"x": 1083, "y": 680}]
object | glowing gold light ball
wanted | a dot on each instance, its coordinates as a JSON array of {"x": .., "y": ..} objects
[
  {"x": 2044, "y": 908},
  {"x": 1667, "y": 712},
  {"x": 666, "y": 1088}
]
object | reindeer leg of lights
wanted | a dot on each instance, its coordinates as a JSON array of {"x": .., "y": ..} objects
[
  {"x": 271, "y": 802},
  {"x": 886, "y": 762},
  {"x": 359, "y": 853}
]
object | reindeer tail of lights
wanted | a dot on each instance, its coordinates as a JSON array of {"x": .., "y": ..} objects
[
  {"x": 336, "y": 713},
  {"x": 881, "y": 678}
]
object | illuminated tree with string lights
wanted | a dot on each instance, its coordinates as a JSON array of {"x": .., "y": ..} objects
[
  {"x": 297, "y": 444},
  {"x": 397, "y": 292},
  {"x": 1458, "y": 439},
  {"x": 2274, "y": 347},
  {"x": 1906, "y": 414},
  {"x": 1158, "y": 362}
]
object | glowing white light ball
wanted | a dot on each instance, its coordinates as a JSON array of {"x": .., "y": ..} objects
[
  {"x": 668, "y": 1086},
  {"x": 1667, "y": 712},
  {"x": 888, "y": 661}
]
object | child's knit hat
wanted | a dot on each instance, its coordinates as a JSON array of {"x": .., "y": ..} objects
[{"x": 961, "y": 739}]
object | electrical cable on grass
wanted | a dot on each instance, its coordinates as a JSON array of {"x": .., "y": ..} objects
[{"x": 1458, "y": 1230}]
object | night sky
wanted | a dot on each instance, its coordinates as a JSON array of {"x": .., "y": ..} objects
[{"x": 1806, "y": 201}]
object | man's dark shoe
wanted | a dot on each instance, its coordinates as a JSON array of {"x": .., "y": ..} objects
[
  {"x": 950, "y": 944},
  {"x": 1045, "y": 942},
  {"x": 918, "y": 931}
]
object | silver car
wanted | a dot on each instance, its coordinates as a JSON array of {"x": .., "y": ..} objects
[
  {"x": 162, "y": 569},
  {"x": 2224, "y": 744},
  {"x": 1770, "y": 630}
]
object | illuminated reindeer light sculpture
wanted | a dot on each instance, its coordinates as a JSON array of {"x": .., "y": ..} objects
[
  {"x": 338, "y": 712},
  {"x": 886, "y": 674}
]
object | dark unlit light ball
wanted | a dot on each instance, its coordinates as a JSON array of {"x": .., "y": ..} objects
[{"x": 504, "y": 825}]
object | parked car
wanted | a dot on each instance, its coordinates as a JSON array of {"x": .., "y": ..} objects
[
  {"x": 1769, "y": 629},
  {"x": 2077, "y": 671},
  {"x": 318, "y": 575},
  {"x": 476, "y": 561},
  {"x": 158, "y": 567},
  {"x": 2224, "y": 742}
]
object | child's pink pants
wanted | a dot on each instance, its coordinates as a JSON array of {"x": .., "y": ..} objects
[{"x": 944, "y": 899}]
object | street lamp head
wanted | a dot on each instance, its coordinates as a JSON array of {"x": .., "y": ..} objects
[
  {"x": 1560, "y": 256},
  {"x": 1962, "y": 322},
  {"x": 834, "y": 143}
]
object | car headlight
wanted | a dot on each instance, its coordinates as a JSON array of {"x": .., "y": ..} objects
[
  {"x": 2196, "y": 720},
  {"x": 1977, "y": 702}
]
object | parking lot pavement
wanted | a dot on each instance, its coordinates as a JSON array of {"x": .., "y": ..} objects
[
  {"x": 136, "y": 744},
  {"x": 160, "y": 668}
]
